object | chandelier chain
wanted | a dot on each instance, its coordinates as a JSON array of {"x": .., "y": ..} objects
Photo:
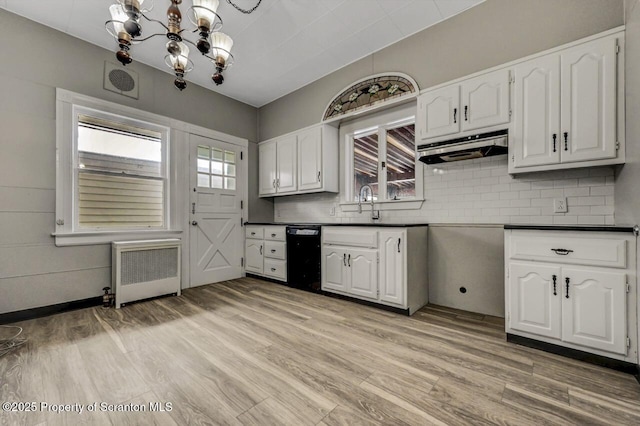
[{"x": 247, "y": 11}]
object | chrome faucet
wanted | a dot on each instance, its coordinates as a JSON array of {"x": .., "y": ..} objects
[{"x": 375, "y": 214}]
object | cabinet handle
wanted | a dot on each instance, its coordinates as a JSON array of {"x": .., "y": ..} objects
[
  {"x": 273, "y": 235},
  {"x": 566, "y": 137},
  {"x": 554, "y": 142},
  {"x": 261, "y": 250},
  {"x": 561, "y": 251},
  {"x": 278, "y": 182},
  {"x": 455, "y": 115},
  {"x": 318, "y": 176},
  {"x": 274, "y": 183},
  {"x": 349, "y": 260},
  {"x": 398, "y": 245},
  {"x": 466, "y": 110},
  {"x": 253, "y": 233},
  {"x": 344, "y": 258},
  {"x": 555, "y": 293},
  {"x": 273, "y": 269},
  {"x": 273, "y": 250},
  {"x": 566, "y": 280}
]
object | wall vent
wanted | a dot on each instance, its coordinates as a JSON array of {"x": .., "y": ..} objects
[
  {"x": 120, "y": 80},
  {"x": 144, "y": 269}
]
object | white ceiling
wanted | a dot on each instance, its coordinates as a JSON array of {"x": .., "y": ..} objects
[{"x": 282, "y": 46}]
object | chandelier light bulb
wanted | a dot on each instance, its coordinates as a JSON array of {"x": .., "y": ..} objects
[
  {"x": 221, "y": 47},
  {"x": 119, "y": 17},
  {"x": 179, "y": 61},
  {"x": 205, "y": 12}
]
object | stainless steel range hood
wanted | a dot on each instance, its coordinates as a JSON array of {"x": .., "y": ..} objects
[{"x": 475, "y": 146}]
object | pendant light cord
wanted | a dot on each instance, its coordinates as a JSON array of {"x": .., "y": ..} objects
[{"x": 247, "y": 11}]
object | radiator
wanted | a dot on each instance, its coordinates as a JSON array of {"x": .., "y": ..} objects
[{"x": 145, "y": 269}]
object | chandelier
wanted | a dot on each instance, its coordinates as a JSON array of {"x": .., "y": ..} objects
[{"x": 213, "y": 44}]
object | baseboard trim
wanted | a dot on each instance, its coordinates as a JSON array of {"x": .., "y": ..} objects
[
  {"x": 603, "y": 361},
  {"x": 368, "y": 303},
  {"x": 43, "y": 311}
]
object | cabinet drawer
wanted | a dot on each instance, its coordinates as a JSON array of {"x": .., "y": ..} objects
[
  {"x": 275, "y": 250},
  {"x": 590, "y": 250},
  {"x": 255, "y": 232},
  {"x": 275, "y": 233},
  {"x": 275, "y": 268},
  {"x": 347, "y": 236}
]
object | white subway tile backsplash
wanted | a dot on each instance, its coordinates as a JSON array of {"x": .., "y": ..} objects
[{"x": 481, "y": 191}]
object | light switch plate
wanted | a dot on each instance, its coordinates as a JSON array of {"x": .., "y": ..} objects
[{"x": 560, "y": 205}]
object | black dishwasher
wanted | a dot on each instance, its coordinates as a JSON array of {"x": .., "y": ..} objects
[{"x": 303, "y": 257}]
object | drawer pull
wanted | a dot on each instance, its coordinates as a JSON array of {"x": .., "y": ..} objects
[
  {"x": 273, "y": 250},
  {"x": 555, "y": 293},
  {"x": 273, "y": 235},
  {"x": 566, "y": 280},
  {"x": 562, "y": 252},
  {"x": 273, "y": 269},
  {"x": 253, "y": 233}
]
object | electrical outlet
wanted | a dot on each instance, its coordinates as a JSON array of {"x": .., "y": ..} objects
[
  {"x": 560, "y": 205},
  {"x": 332, "y": 210}
]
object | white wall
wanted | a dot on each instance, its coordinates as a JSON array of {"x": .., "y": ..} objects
[{"x": 480, "y": 191}]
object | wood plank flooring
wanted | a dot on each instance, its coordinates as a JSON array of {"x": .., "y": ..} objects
[{"x": 249, "y": 352}]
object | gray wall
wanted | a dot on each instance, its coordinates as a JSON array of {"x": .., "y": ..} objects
[
  {"x": 492, "y": 33},
  {"x": 36, "y": 60}
]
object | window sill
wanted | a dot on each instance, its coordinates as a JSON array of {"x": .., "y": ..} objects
[
  {"x": 414, "y": 204},
  {"x": 107, "y": 237}
]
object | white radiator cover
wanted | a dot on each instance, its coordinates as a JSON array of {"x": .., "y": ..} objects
[{"x": 144, "y": 269}]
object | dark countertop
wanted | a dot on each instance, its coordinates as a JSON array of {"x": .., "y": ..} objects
[
  {"x": 377, "y": 225},
  {"x": 589, "y": 228}
]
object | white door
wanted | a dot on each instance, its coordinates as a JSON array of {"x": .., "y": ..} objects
[
  {"x": 535, "y": 298},
  {"x": 218, "y": 179},
  {"x": 362, "y": 267},
  {"x": 485, "y": 100},
  {"x": 310, "y": 159},
  {"x": 594, "y": 310},
  {"x": 267, "y": 168},
  {"x": 287, "y": 161},
  {"x": 392, "y": 267},
  {"x": 254, "y": 251},
  {"x": 588, "y": 117},
  {"x": 536, "y": 123},
  {"x": 439, "y": 112},
  {"x": 334, "y": 264}
]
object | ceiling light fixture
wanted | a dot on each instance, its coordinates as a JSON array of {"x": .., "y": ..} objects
[{"x": 125, "y": 27}]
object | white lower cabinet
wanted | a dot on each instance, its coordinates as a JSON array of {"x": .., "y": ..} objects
[
  {"x": 266, "y": 251},
  {"x": 560, "y": 300},
  {"x": 371, "y": 263}
]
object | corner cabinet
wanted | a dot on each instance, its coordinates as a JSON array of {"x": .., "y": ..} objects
[
  {"x": 456, "y": 110},
  {"x": 301, "y": 162},
  {"x": 573, "y": 289},
  {"x": 371, "y": 263},
  {"x": 566, "y": 111},
  {"x": 266, "y": 251}
]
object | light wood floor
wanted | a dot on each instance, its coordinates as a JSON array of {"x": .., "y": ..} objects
[{"x": 256, "y": 353}]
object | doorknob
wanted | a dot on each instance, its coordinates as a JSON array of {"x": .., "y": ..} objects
[{"x": 194, "y": 223}]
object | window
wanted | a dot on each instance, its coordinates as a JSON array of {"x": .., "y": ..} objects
[
  {"x": 216, "y": 168},
  {"x": 380, "y": 161},
  {"x": 120, "y": 179}
]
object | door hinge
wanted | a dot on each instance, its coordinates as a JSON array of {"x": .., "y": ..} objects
[
  {"x": 241, "y": 155},
  {"x": 377, "y": 257},
  {"x": 617, "y": 145},
  {"x": 241, "y": 204},
  {"x": 628, "y": 288},
  {"x": 617, "y": 47},
  {"x": 242, "y": 261},
  {"x": 513, "y": 158},
  {"x": 241, "y": 221},
  {"x": 378, "y": 293},
  {"x": 510, "y": 113},
  {"x": 628, "y": 342}
]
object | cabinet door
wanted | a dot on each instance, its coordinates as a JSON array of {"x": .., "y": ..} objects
[
  {"x": 267, "y": 168},
  {"x": 439, "y": 112},
  {"x": 254, "y": 250},
  {"x": 334, "y": 264},
  {"x": 535, "y": 298},
  {"x": 362, "y": 267},
  {"x": 393, "y": 267},
  {"x": 588, "y": 117},
  {"x": 536, "y": 130},
  {"x": 310, "y": 159},
  {"x": 287, "y": 164},
  {"x": 594, "y": 310},
  {"x": 485, "y": 100}
]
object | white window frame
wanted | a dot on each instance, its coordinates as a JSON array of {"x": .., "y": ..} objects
[
  {"x": 68, "y": 106},
  {"x": 379, "y": 122}
]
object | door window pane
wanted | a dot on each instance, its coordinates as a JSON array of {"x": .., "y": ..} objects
[
  {"x": 229, "y": 169},
  {"x": 365, "y": 164},
  {"x": 230, "y": 183},
  {"x": 216, "y": 154},
  {"x": 229, "y": 157},
  {"x": 216, "y": 167},
  {"x": 203, "y": 180},
  {"x": 203, "y": 151},
  {"x": 216, "y": 182},
  {"x": 401, "y": 163},
  {"x": 203, "y": 165}
]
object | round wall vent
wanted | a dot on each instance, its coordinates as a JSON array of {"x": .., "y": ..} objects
[{"x": 122, "y": 80}]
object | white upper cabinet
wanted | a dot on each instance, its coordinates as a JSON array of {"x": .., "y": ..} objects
[
  {"x": 301, "y": 162},
  {"x": 588, "y": 115},
  {"x": 439, "y": 111},
  {"x": 485, "y": 100},
  {"x": 461, "y": 109},
  {"x": 565, "y": 109},
  {"x": 536, "y": 124}
]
